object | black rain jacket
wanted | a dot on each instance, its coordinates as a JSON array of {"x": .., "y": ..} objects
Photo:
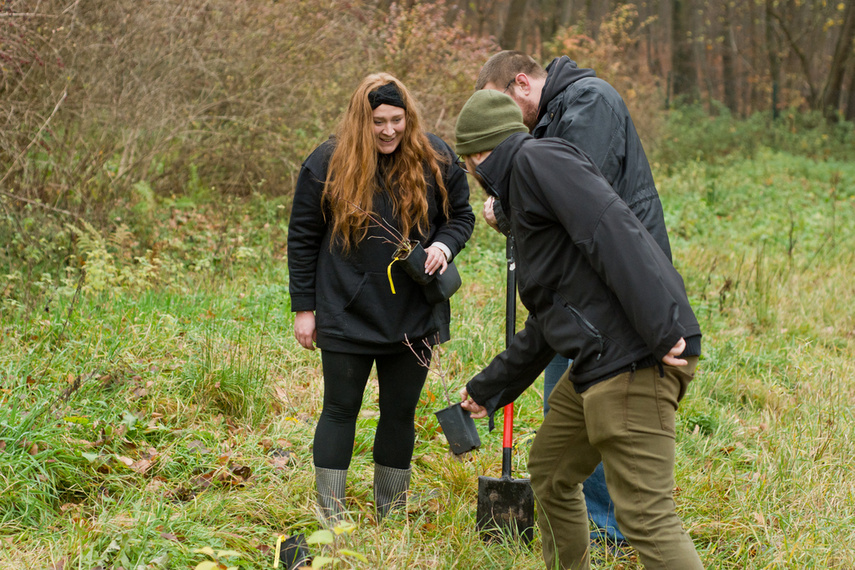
[
  {"x": 598, "y": 287},
  {"x": 582, "y": 109}
]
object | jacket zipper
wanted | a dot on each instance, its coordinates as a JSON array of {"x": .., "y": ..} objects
[{"x": 592, "y": 330}]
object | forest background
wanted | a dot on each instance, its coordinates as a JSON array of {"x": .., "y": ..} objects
[{"x": 155, "y": 411}]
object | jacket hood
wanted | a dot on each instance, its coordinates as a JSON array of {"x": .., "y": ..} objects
[{"x": 559, "y": 74}]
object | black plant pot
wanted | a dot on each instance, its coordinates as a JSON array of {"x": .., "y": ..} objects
[
  {"x": 437, "y": 288},
  {"x": 294, "y": 552},
  {"x": 459, "y": 429}
]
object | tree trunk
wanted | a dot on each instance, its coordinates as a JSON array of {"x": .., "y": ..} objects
[
  {"x": 830, "y": 99},
  {"x": 728, "y": 75},
  {"x": 596, "y": 13},
  {"x": 567, "y": 8},
  {"x": 850, "y": 107},
  {"x": 513, "y": 24},
  {"x": 683, "y": 58},
  {"x": 801, "y": 55},
  {"x": 774, "y": 57}
]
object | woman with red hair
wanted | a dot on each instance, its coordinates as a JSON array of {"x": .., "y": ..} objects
[{"x": 380, "y": 175}]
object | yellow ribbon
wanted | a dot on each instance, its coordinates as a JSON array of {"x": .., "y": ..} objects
[
  {"x": 389, "y": 273},
  {"x": 278, "y": 545}
]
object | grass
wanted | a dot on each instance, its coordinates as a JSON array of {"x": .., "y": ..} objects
[{"x": 170, "y": 409}]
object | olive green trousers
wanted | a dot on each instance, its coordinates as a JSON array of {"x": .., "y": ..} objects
[{"x": 628, "y": 423}]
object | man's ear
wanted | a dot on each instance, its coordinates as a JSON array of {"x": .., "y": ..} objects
[{"x": 523, "y": 83}]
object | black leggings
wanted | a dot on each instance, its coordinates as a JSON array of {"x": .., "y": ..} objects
[{"x": 401, "y": 377}]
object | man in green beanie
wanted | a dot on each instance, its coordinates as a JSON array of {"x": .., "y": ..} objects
[
  {"x": 600, "y": 291},
  {"x": 571, "y": 102}
]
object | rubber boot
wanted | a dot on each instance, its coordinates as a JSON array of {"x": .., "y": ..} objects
[
  {"x": 330, "y": 483},
  {"x": 390, "y": 488}
]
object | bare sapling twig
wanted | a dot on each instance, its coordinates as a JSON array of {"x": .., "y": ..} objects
[
  {"x": 433, "y": 363},
  {"x": 398, "y": 239}
]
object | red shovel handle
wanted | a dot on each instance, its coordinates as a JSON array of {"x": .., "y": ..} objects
[
  {"x": 508, "y": 433},
  {"x": 507, "y": 441},
  {"x": 510, "y": 325}
]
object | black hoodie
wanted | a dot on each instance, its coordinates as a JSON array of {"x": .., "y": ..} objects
[{"x": 351, "y": 292}]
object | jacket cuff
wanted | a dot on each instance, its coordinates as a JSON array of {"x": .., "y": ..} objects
[
  {"x": 502, "y": 220},
  {"x": 302, "y": 302}
]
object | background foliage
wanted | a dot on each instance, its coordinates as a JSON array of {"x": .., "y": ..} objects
[{"x": 155, "y": 411}]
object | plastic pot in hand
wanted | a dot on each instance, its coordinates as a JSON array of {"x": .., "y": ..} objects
[{"x": 459, "y": 429}]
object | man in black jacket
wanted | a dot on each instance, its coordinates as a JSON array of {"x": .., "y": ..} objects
[
  {"x": 599, "y": 290},
  {"x": 572, "y": 103}
]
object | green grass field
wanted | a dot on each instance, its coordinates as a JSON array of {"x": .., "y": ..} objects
[{"x": 157, "y": 413}]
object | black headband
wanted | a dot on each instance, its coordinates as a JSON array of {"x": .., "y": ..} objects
[{"x": 386, "y": 95}]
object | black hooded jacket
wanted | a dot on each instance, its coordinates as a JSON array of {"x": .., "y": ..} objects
[
  {"x": 598, "y": 287},
  {"x": 582, "y": 109},
  {"x": 351, "y": 293}
]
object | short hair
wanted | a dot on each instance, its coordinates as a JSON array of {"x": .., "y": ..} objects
[{"x": 501, "y": 68}]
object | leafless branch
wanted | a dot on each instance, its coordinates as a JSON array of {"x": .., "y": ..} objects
[{"x": 36, "y": 137}]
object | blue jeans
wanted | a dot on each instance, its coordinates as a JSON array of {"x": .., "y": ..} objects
[{"x": 601, "y": 510}]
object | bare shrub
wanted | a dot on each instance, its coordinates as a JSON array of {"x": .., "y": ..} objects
[
  {"x": 438, "y": 61},
  {"x": 108, "y": 107},
  {"x": 186, "y": 95}
]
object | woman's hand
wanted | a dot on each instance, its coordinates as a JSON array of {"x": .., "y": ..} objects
[
  {"x": 475, "y": 410},
  {"x": 304, "y": 329},
  {"x": 435, "y": 260}
]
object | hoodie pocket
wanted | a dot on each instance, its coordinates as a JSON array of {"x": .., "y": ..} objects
[{"x": 374, "y": 315}]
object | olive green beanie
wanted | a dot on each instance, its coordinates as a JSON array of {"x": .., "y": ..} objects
[{"x": 487, "y": 118}]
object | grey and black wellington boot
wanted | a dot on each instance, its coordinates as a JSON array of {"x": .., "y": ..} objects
[
  {"x": 390, "y": 488},
  {"x": 331, "y": 483}
]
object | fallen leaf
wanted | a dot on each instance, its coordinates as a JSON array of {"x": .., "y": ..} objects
[
  {"x": 242, "y": 471},
  {"x": 198, "y": 446},
  {"x": 183, "y": 494},
  {"x": 141, "y": 466},
  {"x": 203, "y": 481},
  {"x": 281, "y": 458}
]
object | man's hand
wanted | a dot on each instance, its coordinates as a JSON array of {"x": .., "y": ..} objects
[
  {"x": 435, "y": 260},
  {"x": 671, "y": 359},
  {"x": 304, "y": 329},
  {"x": 475, "y": 410},
  {"x": 488, "y": 214}
]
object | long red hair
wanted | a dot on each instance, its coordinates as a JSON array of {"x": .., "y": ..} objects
[{"x": 351, "y": 177}]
